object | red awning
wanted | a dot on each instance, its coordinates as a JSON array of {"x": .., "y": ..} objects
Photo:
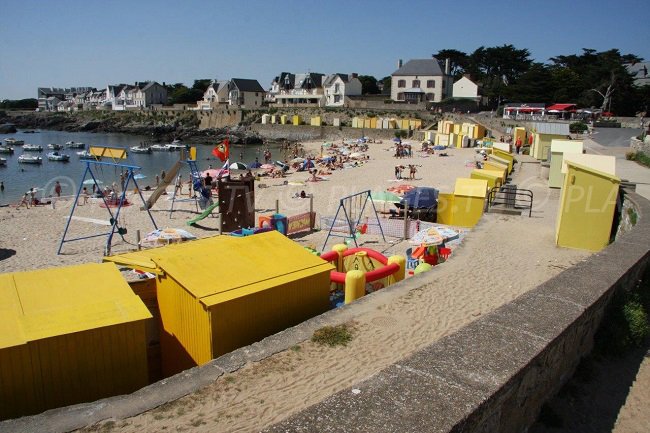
[{"x": 562, "y": 107}]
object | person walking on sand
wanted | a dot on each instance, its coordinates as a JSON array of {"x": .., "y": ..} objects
[
  {"x": 57, "y": 189},
  {"x": 24, "y": 201},
  {"x": 518, "y": 145}
]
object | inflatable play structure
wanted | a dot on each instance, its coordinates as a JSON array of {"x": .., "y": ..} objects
[{"x": 360, "y": 271}]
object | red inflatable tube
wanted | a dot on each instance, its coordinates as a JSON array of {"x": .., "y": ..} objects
[{"x": 377, "y": 274}]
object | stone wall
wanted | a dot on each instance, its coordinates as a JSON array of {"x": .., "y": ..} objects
[
  {"x": 640, "y": 146},
  {"x": 325, "y": 133},
  {"x": 219, "y": 118}
]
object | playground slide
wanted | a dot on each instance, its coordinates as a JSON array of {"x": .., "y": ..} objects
[
  {"x": 164, "y": 183},
  {"x": 208, "y": 210}
]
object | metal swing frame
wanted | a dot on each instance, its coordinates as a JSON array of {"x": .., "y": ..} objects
[
  {"x": 114, "y": 217},
  {"x": 348, "y": 217}
]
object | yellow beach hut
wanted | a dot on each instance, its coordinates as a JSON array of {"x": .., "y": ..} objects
[
  {"x": 464, "y": 207},
  {"x": 69, "y": 335},
  {"x": 588, "y": 202},
  {"x": 221, "y": 293},
  {"x": 558, "y": 149},
  {"x": 544, "y": 133}
]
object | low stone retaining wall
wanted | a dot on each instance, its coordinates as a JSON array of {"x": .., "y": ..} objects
[
  {"x": 307, "y": 132},
  {"x": 491, "y": 376},
  {"x": 640, "y": 146},
  {"x": 494, "y": 374}
]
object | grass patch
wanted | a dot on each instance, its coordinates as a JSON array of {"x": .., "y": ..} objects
[
  {"x": 633, "y": 215},
  {"x": 296, "y": 348},
  {"x": 339, "y": 335},
  {"x": 626, "y": 324},
  {"x": 229, "y": 379},
  {"x": 639, "y": 157}
]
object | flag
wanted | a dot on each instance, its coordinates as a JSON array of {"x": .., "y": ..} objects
[
  {"x": 225, "y": 170},
  {"x": 222, "y": 151}
]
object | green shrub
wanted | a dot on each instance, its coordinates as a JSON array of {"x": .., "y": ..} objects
[
  {"x": 633, "y": 215},
  {"x": 578, "y": 127},
  {"x": 630, "y": 156}
]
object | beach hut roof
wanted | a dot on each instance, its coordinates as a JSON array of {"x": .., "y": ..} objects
[
  {"x": 599, "y": 163},
  {"x": 470, "y": 187},
  {"x": 57, "y": 301},
  {"x": 222, "y": 268}
]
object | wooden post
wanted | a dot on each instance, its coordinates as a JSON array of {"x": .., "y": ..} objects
[
  {"x": 312, "y": 218},
  {"x": 277, "y": 206},
  {"x": 137, "y": 239}
]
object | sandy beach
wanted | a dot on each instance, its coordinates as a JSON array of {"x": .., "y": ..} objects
[{"x": 469, "y": 284}]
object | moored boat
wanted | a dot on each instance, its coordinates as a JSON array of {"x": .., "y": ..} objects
[
  {"x": 56, "y": 156},
  {"x": 6, "y": 149},
  {"x": 84, "y": 154},
  {"x": 27, "y": 159},
  {"x": 3, "y": 161},
  {"x": 141, "y": 149},
  {"x": 32, "y": 148},
  {"x": 75, "y": 145},
  {"x": 14, "y": 142},
  {"x": 55, "y": 146},
  {"x": 160, "y": 147}
]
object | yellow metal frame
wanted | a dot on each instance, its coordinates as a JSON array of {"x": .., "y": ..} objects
[{"x": 115, "y": 153}]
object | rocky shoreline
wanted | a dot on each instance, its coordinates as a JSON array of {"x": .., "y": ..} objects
[{"x": 160, "y": 132}]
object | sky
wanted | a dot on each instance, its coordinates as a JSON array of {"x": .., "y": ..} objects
[{"x": 70, "y": 43}]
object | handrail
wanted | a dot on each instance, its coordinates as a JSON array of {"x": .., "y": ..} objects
[{"x": 511, "y": 197}]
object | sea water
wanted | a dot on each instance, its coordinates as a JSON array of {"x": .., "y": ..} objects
[{"x": 19, "y": 178}]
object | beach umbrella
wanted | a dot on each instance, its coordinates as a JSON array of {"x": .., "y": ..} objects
[
  {"x": 385, "y": 196},
  {"x": 211, "y": 171},
  {"x": 420, "y": 198},
  {"x": 90, "y": 182},
  {"x": 297, "y": 160},
  {"x": 238, "y": 166},
  {"x": 255, "y": 164},
  {"x": 400, "y": 189},
  {"x": 397, "y": 140},
  {"x": 166, "y": 236},
  {"x": 139, "y": 176},
  {"x": 267, "y": 166}
]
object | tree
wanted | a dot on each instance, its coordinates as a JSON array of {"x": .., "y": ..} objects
[
  {"x": 180, "y": 94},
  {"x": 202, "y": 84},
  {"x": 368, "y": 85},
  {"x": 19, "y": 104},
  {"x": 534, "y": 85},
  {"x": 387, "y": 83},
  {"x": 458, "y": 61}
]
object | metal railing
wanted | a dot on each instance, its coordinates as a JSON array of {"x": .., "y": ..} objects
[{"x": 511, "y": 197}]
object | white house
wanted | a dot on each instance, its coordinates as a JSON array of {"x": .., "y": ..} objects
[
  {"x": 420, "y": 80},
  {"x": 337, "y": 86},
  {"x": 140, "y": 95},
  {"x": 216, "y": 93},
  {"x": 298, "y": 89},
  {"x": 466, "y": 88}
]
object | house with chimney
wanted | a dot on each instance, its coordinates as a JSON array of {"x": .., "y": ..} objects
[
  {"x": 336, "y": 87},
  {"x": 245, "y": 93},
  {"x": 216, "y": 93},
  {"x": 50, "y": 97},
  {"x": 139, "y": 96},
  {"x": 421, "y": 80},
  {"x": 465, "y": 88}
]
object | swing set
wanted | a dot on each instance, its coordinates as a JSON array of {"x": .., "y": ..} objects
[
  {"x": 118, "y": 202},
  {"x": 353, "y": 207}
]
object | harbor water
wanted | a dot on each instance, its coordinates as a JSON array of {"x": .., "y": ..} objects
[{"x": 18, "y": 178}]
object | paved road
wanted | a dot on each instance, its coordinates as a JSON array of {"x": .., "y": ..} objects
[{"x": 614, "y": 137}]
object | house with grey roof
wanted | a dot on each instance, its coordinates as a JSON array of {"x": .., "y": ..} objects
[
  {"x": 60, "y": 94},
  {"x": 245, "y": 93},
  {"x": 138, "y": 96},
  {"x": 336, "y": 87},
  {"x": 420, "y": 80},
  {"x": 297, "y": 90}
]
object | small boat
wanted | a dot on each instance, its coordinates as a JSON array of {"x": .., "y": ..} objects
[
  {"x": 3, "y": 161},
  {"x": 141, "y": 149},
  {"x": 75, "y": 145},
  {"x": 14, "y": 142},
  {"x": 175, "y": 147},
  {"x": 32, "y": 148},
  {"x": 26, "y": 159},
  {"x": 56, "y": 156},
  {"x": 160, "y": 147},
  {"x": 282, "y": 165},
  {"x": 54, "y": 146},
  {"x": 84, "y": 154},
  {"x": 6, "y": 149}
]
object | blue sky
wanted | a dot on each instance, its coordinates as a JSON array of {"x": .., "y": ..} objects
[{"x": 67, "y": 43}]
